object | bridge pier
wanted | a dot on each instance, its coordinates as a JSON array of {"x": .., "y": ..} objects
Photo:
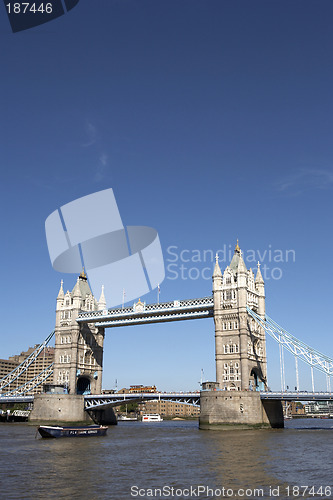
[
  {"x": 59, "y": 408},
  {"x": 223, "y": 410}
]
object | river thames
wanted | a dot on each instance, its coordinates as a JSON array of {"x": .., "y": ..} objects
[{"x": 170, "y": 459}]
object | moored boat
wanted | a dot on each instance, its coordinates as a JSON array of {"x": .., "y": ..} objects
[
  {"x": 49, "y": 431},
  {"x": 125, "y": 418},
  {"x": 152, "y": 417}
]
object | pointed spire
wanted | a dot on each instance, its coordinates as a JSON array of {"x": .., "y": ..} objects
[
  {"x": 83, "y": 274},
  {"x": 102, "y": 301},
  {"x": 217, "y": 270},
  {"x": 235, "y": 259},
  {"x": 237, "y": 249},
  {"x": 77, "y": 291},
  {"x": 241, "y": 264},
  {"x": 61, "y": 291},
  {"x": 259, "y": 278}
]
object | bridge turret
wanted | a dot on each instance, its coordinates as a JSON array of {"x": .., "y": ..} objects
[
  {"x": 77, "y": 295},
  {"x": 242, "y": 275},
  {"x": 102, "y": 301},
  {"x": 217, "y": 296},
  {"x": 260, "y": 287},
  {"x": 61, "y": 294}
]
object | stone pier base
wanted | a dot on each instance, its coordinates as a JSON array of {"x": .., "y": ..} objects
[
  {"x": 238, "y": 409},
  {"x": 59, "y": 408},
  {"x": 62, "y": 408}
]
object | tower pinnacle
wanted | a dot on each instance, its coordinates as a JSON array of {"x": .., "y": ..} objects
[
  {"x": 61, "y": 291},
  {"x": 259, "y": 278},
  {"x": 102, "y": 301},
  {"x": 217, "y": 270},
  {"x": 237, "y": 248}
]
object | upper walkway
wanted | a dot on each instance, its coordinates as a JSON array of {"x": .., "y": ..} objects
[{"x": 141, "y": 313}]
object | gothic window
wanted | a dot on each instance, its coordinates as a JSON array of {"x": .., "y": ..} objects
[
  {"x": 65, "y": 358},
  {"x": 226, "y": 348},
  {"x": 228, "y": 280},
  {"x": 231, "y": 373},
  {"x": 228, "y": 295},
  {"x": 67, "y": 302},
  {"x": 230, "y": 325},
  {"x": 237, "y": 374}
]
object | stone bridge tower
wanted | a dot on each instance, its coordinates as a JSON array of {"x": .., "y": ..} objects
[
  {"x": 240, "y": 344},
  {"x": 78, "y": 349}
]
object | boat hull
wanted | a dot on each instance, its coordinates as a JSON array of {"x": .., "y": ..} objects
[{"x": 48, "y": 431}]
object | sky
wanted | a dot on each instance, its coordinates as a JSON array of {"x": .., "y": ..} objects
[{"x": 211, "y": 120}]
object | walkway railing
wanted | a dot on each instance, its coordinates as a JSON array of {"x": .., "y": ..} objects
[{"x": 150, "y": 313}]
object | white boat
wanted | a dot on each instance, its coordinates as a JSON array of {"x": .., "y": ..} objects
[
  {"x": 126, "y": 418},
  {"x": 151, "y": 417}
]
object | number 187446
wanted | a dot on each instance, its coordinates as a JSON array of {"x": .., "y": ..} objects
[{"x": 27, "y": 7}]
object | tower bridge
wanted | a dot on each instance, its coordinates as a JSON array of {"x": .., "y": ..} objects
[{"x": 239, "y": 394}]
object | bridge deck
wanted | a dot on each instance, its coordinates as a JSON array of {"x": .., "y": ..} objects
[
  {"x": 150, "y": 313},
  {"x": 98, "y": 400}
]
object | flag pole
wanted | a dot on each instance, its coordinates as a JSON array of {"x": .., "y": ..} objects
[{"x": 158, "y": 294}]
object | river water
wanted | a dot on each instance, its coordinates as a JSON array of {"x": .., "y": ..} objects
[{"x": 167, "y": 459}]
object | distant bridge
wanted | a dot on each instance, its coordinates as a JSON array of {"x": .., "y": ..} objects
[
  {"x": 94, "y": 402},
  {"x": 101, "y": 401},
  {"x": 297, "y": 396}
]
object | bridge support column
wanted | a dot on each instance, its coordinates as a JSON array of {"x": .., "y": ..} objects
[
  {"x": 59, "y": 408},
  {"x": 223, "y": 410}
]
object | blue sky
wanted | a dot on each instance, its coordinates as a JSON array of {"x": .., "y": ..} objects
[{"x": 211, "y": 121}]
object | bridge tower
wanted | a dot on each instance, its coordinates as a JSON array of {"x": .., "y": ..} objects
[
  {"x": 240, "y": 353},
  {"x": 78, "y": 348},
  {"x": 240, "y": 344}
]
